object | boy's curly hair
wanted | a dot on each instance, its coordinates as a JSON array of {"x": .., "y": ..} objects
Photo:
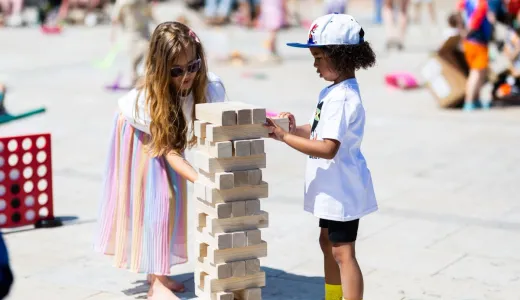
[{"x": 350, "y": 57}]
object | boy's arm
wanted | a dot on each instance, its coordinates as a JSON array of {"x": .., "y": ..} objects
[
  {"x": 303, "y": 131},
  {"x": 326, "y": 149}
]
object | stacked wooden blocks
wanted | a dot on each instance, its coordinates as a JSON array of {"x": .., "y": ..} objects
[{"x": 229, "y": 160}]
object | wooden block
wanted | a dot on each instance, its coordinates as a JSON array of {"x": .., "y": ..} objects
[
  {"x": 249, "y": 294},
  {"x": 220, "y": 149},
  {"x": 201, "y": 219},
  {"x": 238, "y": 209},
  {"x": 282, "y": 122},
  {"x": 213, "y": 285},
  {"x": 199, "y": 189},
  {"x": 214, "y": 226},
  {"x": 253, "y": 237},
  {"x": 257, "y": 146},
  {"x": 216, "y": 211},
  {"x": 252, "y": 266},
  {"x": 238, "y": 268},
  {"x": 199, "y": 128},
  {"x": 224, "y": 240},
  {"x": 252, "y": 207},
  {"x": 235, "y": 163},
  {"x": 221, "y": 113},
  {"x": 218, "y": 271},
  {"x": 224, "y": 296},
  {"x": 241, "y": 178},
  {"x": 215, "y": 256},
  {"x": 224, "y": 180},
  {"x": 259, "y": 115},
  {"x": 254, "y": 176},
  {"x": 260, "y": 191},
  {"x": 244, "y": 116},
  {"x": 242, "y": 147},
  {"x": 240, "y": 132},
  {"x": 239, "y": 239}
]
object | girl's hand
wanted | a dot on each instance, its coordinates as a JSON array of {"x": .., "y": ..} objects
[
  {"x": 292, "y": 120},
  {"x": 276, "y": 132}
]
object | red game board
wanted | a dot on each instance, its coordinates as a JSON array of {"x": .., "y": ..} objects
[{"x": 25, "y": 180}]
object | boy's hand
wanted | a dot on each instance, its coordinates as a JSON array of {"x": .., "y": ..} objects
[
  {"x": 276, "y": 132},
  {"x": 292, "y": 120}
]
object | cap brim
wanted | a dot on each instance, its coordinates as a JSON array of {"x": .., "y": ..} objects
[{"x": 300, "y": 45}]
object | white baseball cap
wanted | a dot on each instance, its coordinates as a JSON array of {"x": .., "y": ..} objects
[{"x": 333, "y": 29}]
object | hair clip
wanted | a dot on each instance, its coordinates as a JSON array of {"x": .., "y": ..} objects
[{"x": 194, "y": 36}]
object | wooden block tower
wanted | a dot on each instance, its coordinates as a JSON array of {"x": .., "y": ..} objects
[{"x": 230, "y": 158}]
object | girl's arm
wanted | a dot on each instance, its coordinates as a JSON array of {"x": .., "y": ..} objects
[
  {"x": 181, "y": 166},
  {"x": 326, "y": 149}
]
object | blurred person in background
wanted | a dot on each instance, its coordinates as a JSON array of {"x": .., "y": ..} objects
[
  {"x": 218, "y": 12},
  {"x": 12, "y": 12},
  {"x": 395, "y": 28},
  {"x": 273, "y": 16},
  {"x": 477, "y": 35},
  {"x": 418, "y": 4}
]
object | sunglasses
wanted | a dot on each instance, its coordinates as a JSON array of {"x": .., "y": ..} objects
[{"x": 192, "y": 67}]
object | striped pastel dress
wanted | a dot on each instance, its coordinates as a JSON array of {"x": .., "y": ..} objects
[{"x": 143, "y": 209}]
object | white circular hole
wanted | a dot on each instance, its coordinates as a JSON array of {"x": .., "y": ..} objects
[
  {"x": 14, "y": 174},
  {"x": 2, "y": 161},
  {"x": 2, "y": 176},
  {"x": 2, "y": 190},
  {"x": 27, "y": 173},
  {"x": 3, "y": 219},
  {"x": 29, "y": 215},
  {"x": 13, "y": 160},
  {"x": 41, "y": 156},
  {"x": 1, "y": 147},
  {"x": 42, "y": 170},
  {"x": 28, "y": 186},
  {"x": 43, "y": 198},
  {"x": 42, "y": 185},
  {"x": 43, "y": 212},
  {"x": 12, "y": 145},
  {"x": 27, "y": 158},
  {"x": 40, "y": 142},
  {"x": 29, "y": 201},
  {"x": 2, "y": 204},
  {"x": 26, "y": 144}
]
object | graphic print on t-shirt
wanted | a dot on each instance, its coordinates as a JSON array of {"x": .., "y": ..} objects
[{"x": 317, "y": 114}]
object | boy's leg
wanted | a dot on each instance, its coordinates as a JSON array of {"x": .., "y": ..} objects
[
  {"x": 333, "y": 290},
  {"x": 343, "y": 236}
]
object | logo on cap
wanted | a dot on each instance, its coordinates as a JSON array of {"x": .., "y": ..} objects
[{"x": 311, "y": 34}]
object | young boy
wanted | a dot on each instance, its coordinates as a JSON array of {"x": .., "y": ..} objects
[
  {"x": 338, "y": 184},
  {"x": 478, "y": 34}
]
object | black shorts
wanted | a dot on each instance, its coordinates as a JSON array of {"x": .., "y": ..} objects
[{"x": 341, "y": 232}]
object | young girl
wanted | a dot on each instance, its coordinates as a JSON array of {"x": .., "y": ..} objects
[
  {"x": 338, "y": 184},
  {"x": 395, "y": 32},
  {"x": 143, "y": 209}
]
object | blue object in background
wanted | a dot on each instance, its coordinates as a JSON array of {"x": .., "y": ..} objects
[{"x": 378, "y": 18}]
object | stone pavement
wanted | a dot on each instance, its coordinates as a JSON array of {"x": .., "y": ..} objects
[{"x": 447, "y": 182}]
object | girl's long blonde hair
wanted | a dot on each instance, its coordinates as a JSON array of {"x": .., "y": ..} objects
[{"x": 168, "y": 128}]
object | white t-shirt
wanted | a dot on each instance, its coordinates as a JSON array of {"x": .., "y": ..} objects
[
  {"x": 141, "y": 121},
  {"x": 339, "y": 189}
]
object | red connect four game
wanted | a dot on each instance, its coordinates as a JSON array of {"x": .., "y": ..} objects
[{"x": 26, "y": 181}]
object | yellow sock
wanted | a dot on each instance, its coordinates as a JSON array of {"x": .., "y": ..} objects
[{"x": 333, "y": 292}]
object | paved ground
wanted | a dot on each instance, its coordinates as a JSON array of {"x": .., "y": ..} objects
[{"x": 447, "y": 182}]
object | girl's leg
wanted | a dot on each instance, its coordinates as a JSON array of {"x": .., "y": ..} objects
[
  {"x": 4, "y": 6},
  {"x": 431, "y": 10},
  {"x": 331, "y": 268},
  {"x": 351, "y": 276},
  {"x": 417, "y": 11}
]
